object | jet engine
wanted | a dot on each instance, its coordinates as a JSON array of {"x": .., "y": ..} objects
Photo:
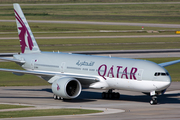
[{"x": 66, "y": 88}]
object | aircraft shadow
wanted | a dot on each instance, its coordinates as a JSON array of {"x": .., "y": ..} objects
[
  {"x": 169, "y": 99},
  {"x": 25, "y": 97},
  {"x": 162, "y": 99},
  {"x": 45, "y": 89},
  {"x": 49, "y": 90},
  {"x": 89, "y": 96}
]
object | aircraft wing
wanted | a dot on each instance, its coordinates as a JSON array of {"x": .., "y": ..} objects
[
  {"x": 12, "y": 60},
  {"x": 83, "y": 78},
  {"x": 27, "y": 72},
  {"x": 169, "y": 63}
]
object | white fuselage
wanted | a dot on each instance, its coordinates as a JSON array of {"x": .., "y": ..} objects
[{"x": 113, "y": 73}]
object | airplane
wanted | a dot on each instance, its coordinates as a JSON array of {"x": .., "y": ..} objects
[{"x": 70, "y": 73}]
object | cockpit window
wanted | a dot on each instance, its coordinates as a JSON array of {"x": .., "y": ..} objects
[{"x": 161, "y": 74}]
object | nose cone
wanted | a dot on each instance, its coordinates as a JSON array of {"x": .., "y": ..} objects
[
  {"x": 164, "y": 84},
  {"x": 167, "y": 83}
]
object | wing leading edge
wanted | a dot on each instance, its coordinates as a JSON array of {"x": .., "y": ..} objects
[{"x": 52, "y": 74}]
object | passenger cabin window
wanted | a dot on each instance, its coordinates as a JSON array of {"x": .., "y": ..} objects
[{"x": 161, "y": 74}]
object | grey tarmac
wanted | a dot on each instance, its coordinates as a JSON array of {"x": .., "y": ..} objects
[
  {"x": 102, "y": 23},
  {"x": 90, "y": 37},
  {"x": 146, "y": 53},
  {"x": 135, "y": 105}
]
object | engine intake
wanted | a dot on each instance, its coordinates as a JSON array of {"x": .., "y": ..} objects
[{"x": 66, "y": 87}]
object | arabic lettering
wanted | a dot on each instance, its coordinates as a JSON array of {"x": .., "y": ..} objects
[{"x": 84, "y": 63}]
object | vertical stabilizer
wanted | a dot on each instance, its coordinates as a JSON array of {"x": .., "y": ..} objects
[{"x": 27, "y": 40}]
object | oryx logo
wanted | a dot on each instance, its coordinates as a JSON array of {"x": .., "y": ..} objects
[
  {"x": 24, "y": 36},
  {"x": 58, "y": 88}
]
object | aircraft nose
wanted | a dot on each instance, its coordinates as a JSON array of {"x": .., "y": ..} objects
[
  {"x": 163, "y": 84},
  {"x": 166, "y": 83}
]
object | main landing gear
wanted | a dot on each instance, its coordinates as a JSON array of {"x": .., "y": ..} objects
[
  {"x": 57, "y": 97},
  {"x": 110, "y": 95}
]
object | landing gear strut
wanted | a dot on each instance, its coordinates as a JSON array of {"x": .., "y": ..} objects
[{"x": 110, "y": 95}]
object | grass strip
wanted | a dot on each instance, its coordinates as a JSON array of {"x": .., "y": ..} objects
[
  {"x": 55, "y": 48},
  {"x": 81, "y": 1},
  {"x": 9, "y": 79},
  {"x": 46, "y": 112},
  {"x": 7, "y": 106},
  {"x": 141, "y": 13},
  {"x": 85, "y": 44}
]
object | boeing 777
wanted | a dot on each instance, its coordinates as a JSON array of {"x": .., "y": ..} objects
[{"x": 69, "y": 73}]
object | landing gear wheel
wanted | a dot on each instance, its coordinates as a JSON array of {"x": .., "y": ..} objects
[
  {"x": 116, "y": 95},
  {"x": 55, "y": 97},
  {"x": 108, "y": 95},
  {"x": 154, "y": 100},
  {"x": 59, "y": 98},
  {"x": 103, "y": 95}
]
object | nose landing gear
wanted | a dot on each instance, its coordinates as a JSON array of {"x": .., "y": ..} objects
[{"x": 154, "y": 100}]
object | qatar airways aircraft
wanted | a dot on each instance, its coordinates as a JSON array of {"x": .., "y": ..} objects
[{"x": 69, "y": 73}]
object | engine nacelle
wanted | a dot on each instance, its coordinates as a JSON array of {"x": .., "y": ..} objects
[{"x": 66, "y": 87}]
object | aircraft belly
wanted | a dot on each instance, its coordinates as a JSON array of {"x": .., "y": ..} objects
[{"x": 135, "y": 85}]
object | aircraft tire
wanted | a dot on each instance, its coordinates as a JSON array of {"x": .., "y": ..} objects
[
  {"x": 153, "y": 102},
  {"x": 58, "y": 97},
  {"x": 116, "y": 95},
  {"x": 113, "y": 95},
  {"x": 110, "y": 95},
  {"x": 55, "y": 97},
  {"x": 106, "y": 96},
  {"x": 103, "y": 95}
]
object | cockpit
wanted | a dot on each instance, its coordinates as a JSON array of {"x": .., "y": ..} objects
[{"x": 161, "y": 74}]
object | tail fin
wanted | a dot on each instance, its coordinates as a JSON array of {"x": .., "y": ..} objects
[{"x": 27, "y": 40}]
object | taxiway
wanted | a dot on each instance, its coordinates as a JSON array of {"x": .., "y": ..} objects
[{"x": 135, "y": 105}]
